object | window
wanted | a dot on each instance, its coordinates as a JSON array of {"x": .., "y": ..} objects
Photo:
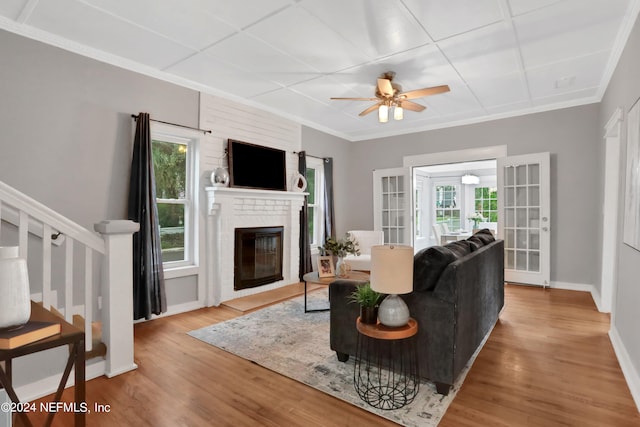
[
  {"x": 174, "y": 169},
  {"x": 447, "y": 209},
  {"x": 315, "y": 201},
  {"x": 486, "y": 202}
]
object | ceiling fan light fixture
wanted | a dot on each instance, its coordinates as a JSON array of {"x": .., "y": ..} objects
[
  {"x": 383, "y": 113},
  {"x": 398, "y": 113},
  {"x": 470, "y": 179}
]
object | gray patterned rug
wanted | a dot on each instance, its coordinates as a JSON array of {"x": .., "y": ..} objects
[{"x": 286, "y": 340}]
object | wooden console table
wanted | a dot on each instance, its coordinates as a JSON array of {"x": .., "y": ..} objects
[{"x": 69, "y": 335}]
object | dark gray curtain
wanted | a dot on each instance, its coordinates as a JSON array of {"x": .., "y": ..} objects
[
  {"x": 148, "y": 277},
  {"x": 305, "y": 248},
  {"x": 329, "y": 218}
]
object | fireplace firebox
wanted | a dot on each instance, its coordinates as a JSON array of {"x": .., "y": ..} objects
[{"x": 258, "y": 256}]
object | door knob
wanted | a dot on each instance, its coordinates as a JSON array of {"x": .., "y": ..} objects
[{"x": 545, "y": 229}]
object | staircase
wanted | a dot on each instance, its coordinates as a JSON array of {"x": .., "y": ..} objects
[{"x": 83, "y": 276}]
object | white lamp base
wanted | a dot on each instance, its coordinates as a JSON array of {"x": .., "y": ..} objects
[{"x": 393, "y": 312}]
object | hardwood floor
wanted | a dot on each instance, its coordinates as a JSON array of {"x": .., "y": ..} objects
[{"x": 548, "y": 362}]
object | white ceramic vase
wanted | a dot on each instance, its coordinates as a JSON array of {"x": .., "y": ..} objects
[{"x": 15, "y": 298}]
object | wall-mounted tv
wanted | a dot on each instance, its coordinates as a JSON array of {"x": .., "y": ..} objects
[{"x": 256, "y": 166}]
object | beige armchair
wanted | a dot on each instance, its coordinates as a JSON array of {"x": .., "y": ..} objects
[{"x": 365, "y": 239}]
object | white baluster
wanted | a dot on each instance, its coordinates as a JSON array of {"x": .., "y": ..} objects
[
  {"x": 23, "y": 234},
  {"x": 88, "y": 297},
  {"x": 68, "y": 280},
  {"x": 46, "y": 266}
]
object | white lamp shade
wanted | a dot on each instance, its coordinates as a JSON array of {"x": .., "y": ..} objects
[
  {"x": 392, "y": 269},
  {"x": 383, "y": 113},
  {"x": 398, "y": 113}
]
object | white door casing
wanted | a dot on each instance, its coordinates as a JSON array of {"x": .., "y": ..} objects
[{"x": 525, "y": 224}]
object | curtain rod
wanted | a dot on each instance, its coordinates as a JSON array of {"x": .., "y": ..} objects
[
  {"x": 309, "y": 155},
  {"x": 135, "y": 117}
]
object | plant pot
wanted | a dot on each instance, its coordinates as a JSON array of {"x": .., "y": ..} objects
[{"x": 369, "y": 315}]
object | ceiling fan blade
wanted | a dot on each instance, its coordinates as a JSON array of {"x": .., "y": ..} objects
[
  {"x": 419, "y": 93},
  {"x": 354, "y": 99},
  {"x": 408, "y": 105},
  {"x": 370, "y": 109},
  {"x": 384, "y": 87}
]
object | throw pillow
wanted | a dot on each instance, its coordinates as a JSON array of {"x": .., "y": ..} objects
[
  {"x": 485, "y": 235},
  {"x": 459, "y": 248},
  {"x": 428, "y": 265},
  {"x": 476, "y": 241}
]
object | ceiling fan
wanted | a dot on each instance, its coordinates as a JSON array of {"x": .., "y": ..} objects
[{"x": 389, "y": 94}]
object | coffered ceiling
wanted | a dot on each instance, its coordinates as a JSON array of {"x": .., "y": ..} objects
[{"x": 499, "y": 57}]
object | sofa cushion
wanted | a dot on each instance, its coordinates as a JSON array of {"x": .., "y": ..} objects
[
  {"x": 428, "y": 265},
  {"x": 460, "y": 248},
  {"x": 476, "y": 241},
  {"x": 485, "y": 235}
]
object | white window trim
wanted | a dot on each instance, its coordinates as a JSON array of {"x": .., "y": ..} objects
[
  {"x": 318, "y": 166},
  {"x": 191, "y": 139}
]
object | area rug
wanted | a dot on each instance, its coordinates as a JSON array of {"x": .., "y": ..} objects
[{"x": 295, "y": 344}]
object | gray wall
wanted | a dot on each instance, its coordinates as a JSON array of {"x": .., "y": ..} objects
[
  {"x": 66, "y": 127},
  {"x": 570, "y": 135},
  {"x": 623, "y": 91},
  {"x": 66, "y": 131}
]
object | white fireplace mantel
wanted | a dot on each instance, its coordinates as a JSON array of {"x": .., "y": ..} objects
[{"x": 229, "y": 208}]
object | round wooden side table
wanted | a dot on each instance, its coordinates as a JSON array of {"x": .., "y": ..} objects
[{"x": 386, "y": 367}]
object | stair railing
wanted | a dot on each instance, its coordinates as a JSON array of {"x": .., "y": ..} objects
[{"x": 112, "y": 249}]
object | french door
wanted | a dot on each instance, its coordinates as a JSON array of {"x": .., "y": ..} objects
[
  {"x": 391, "y": 205},
  {"x": 524, "y": 208}
]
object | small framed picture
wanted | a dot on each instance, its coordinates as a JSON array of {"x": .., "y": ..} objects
[{"x": 325, "y": 266}]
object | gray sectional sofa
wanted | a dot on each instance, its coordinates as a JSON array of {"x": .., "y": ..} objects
[{"x": 457, "y": 295}]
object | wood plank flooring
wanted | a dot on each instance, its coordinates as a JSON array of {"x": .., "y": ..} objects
[{"x": 548, "y": 362}]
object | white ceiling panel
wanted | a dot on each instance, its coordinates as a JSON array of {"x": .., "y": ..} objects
[
  {"x": 12, "y": 8},
  {"x": 185, "y": 22},
  {"x": 210, "y": 71},
  {"x": 84, "y": 24},
  {"x": 566, "y": 76},
  {"x": 499, "y": 57},
  {"x": 377, "y": 28},
  {"x": 491, "y": 50},
  {"x": 493, "y": 91},
  {"x": 302, "y": 35},
  {"x": 567, "y": 29},
  {"x": 444, "y": 19},
  {"x": 250, "y": 54},
  {"x": 519, "y": 7}
]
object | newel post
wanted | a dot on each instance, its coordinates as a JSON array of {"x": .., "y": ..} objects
[{"x": 117, "y": 294}]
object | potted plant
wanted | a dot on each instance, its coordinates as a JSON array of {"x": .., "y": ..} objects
[
  {"x": 340, "y": 248},
  {"x": 369, "y": 301}
]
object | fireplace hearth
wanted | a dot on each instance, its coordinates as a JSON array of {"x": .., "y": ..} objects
[{"x": 258, "y": 256}]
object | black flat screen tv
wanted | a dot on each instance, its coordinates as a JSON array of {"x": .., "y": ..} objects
[{"x": 256, "y": 166}]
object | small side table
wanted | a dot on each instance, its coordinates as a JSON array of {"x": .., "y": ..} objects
[
  {"x": 386, "y": 366},
  {"x": 312, "y": 277},
  {"x": 69, "y": 336}
]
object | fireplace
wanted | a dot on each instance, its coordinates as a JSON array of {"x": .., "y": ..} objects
[{"x": 258, "y": 256}]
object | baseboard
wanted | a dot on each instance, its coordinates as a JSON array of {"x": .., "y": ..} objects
[
  {"x": 121, "y": 371},
  {"x": 49, "y": 385},
  {"x": 582, "y": 287},
  {"x": 175, "y": 309},
  {"x": 628, "y": 370}
]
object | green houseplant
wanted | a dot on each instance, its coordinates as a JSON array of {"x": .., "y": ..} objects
[{"x": 369, "y": 301}]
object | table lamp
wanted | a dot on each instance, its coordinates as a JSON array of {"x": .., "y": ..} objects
[{"x": 392, "y": 274}]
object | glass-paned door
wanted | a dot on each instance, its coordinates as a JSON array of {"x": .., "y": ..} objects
[
  {"x": 523, "y": 203},
  {"x": 392, "y": 204}
]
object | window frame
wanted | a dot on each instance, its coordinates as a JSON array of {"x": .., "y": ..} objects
[
  {"x": 191, "y": 140},
  {"x": 460, "y": 198},
  {"x": 319, "y": 203}
]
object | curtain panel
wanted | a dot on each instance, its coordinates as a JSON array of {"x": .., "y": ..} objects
[
  {"x": 305, "y": 244},
  {"x": 149, "y": 295},
  {"x": 329, "y": 217}
]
